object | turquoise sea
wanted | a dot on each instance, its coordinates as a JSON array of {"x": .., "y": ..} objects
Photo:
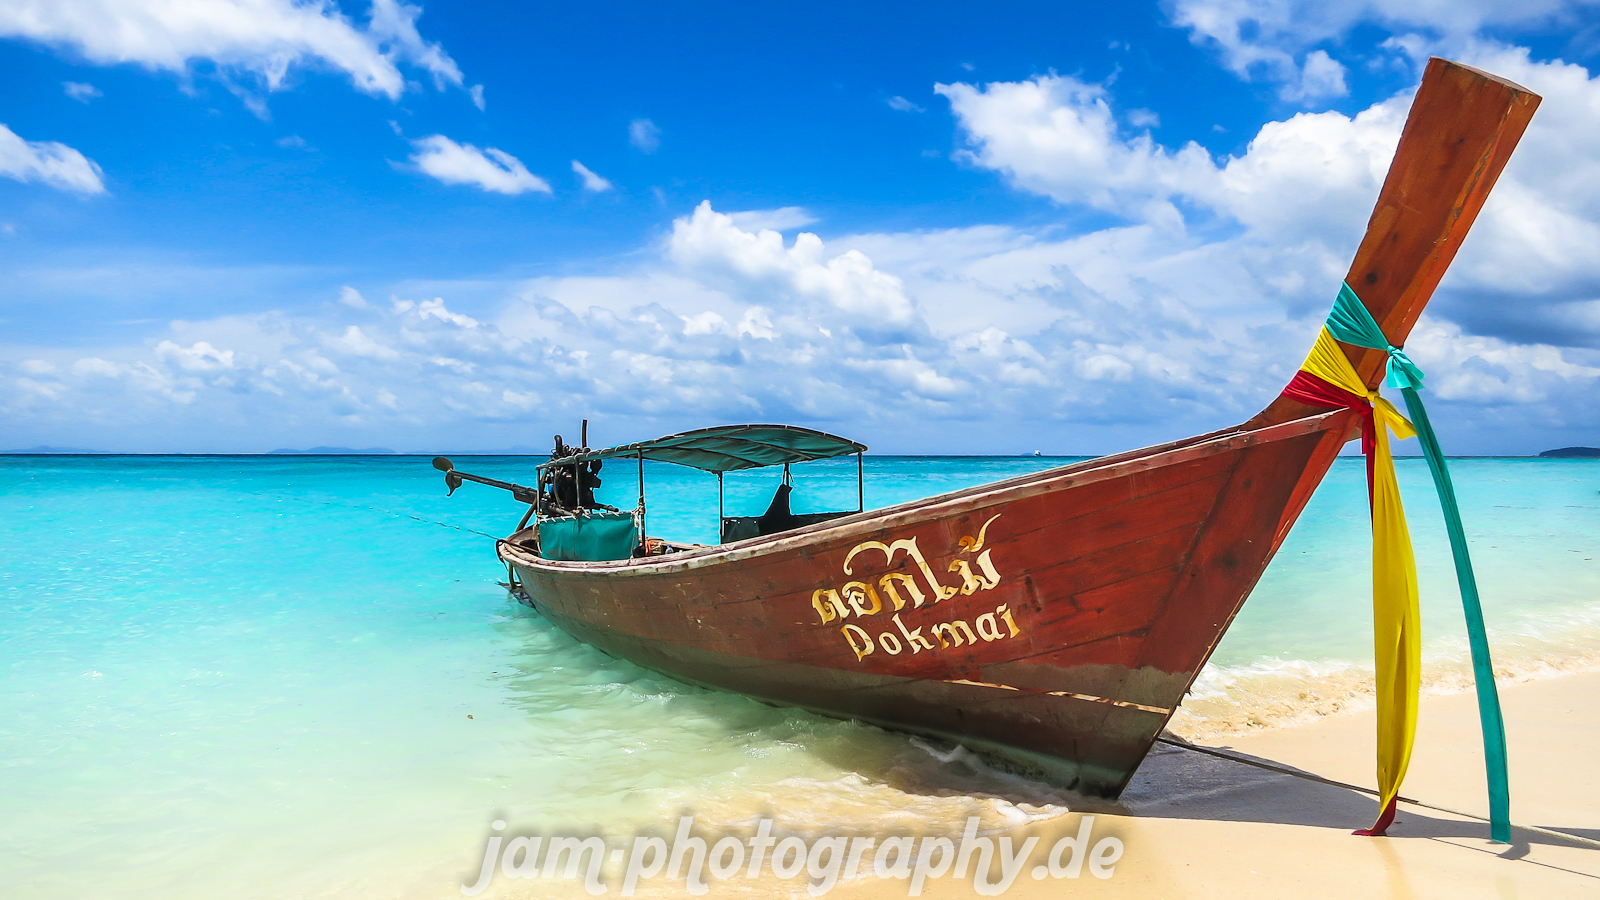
[{"x": 296, "y": 676}]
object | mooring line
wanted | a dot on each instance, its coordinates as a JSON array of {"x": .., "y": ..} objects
[{"x": 1308, "y": 776}]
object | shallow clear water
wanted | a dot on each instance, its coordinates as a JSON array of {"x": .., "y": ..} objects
[{"x": 268, "y": 677}]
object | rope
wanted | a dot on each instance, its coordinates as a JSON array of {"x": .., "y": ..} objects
[{"x": 1307, "y": 776}]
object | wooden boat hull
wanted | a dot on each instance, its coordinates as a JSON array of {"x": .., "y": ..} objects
[{"x": 1087, "y": 597}]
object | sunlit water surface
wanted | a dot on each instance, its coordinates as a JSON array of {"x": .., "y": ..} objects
[{"x": 281, "y": 676}]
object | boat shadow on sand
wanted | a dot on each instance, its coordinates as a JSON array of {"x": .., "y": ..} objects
[{"x": 1177, "y": 782}]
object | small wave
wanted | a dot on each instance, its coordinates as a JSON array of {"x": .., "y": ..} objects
[{"x": 1279, "y": 693}]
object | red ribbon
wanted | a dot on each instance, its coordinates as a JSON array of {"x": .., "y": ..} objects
[
  {"x": 1308, "y": 388},
  {"x": 1385, "y": 819}
]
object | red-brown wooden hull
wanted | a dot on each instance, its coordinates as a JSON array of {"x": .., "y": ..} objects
[{"x": 1096, "y": 594}]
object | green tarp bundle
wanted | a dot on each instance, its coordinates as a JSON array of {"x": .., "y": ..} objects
[{"x": 591, "y": 537}]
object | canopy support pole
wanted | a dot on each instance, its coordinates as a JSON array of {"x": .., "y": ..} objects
[
  {"x": 719, "y": 507},
  {"x": 861, "y": 489},
  {"x": 642, "y": 542}
]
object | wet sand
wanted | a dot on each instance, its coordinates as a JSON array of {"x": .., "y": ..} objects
[
  {"x": 1195, "y": 825},
  {"x": 1198, "y": 825}
]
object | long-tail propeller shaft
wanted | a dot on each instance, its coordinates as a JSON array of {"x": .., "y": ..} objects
[{"x": 453, "y": 479}]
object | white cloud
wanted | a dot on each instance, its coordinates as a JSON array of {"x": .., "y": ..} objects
[
  {"x": 1320, "y": 77},
  {"x": 1144, "y": 118},
  {"x": 292, "y": 142},
  {"x": 352, "y": 298},
  {"x": 591, "y": 181},
  {"x": 1262, "y": 39},
  {"x": 784, "y": 218},
  {"x": 435, "y": 309},
  {"x": 356, "y": 342},
  {"x": 80, "y": 91},
  {"x": 201, "y": 357},
  {"x": 94, "y": 365},
  {"x": 902, "y": 104},
  {"x": 261, "y": 38},
  {"x": 644, "y": 135},
  {"x": 1056, "y": 135},
  {"x": 490, "y": 168},
  {"x": 848, "y": 282},
  {"x": 1477, "y": 369},
  {"x": 476, "y": 92},
  {"x": 48, "y": 162}
]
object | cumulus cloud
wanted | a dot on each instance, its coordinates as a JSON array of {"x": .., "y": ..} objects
[
  {"x": 902, "y": 104},
  {"x": 1056, "y": 135},
  {"x": 490, "y": 169},
  {"x": 1480, "y": 369},
  {"x": 201, "y": 357},
  {"x": 1059, "y": 137},
  {"x": 265, "y": 39},
  {"x": 848, "y": 282},
  {"x": 1319, "y": 77},
  {"x": 591, "y": 181},
  {"x": 357, "y": 342},
  {"x": 80, "y": 91},
  {"x": 1270, "y": 39},
  {"x": 48, "y": 162},
  {"x": 644, "y": 135}
]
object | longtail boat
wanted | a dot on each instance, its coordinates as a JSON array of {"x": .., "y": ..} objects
[{"x": 1053, "y": 620}]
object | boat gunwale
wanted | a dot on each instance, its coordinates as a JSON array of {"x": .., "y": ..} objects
[{"x": 1076, "y": 474}]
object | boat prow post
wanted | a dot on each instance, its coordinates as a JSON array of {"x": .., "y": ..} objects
[{"x": 1458, "y": 137}]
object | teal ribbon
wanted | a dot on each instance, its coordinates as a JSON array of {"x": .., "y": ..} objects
[{"x": 1351, "y": 323}]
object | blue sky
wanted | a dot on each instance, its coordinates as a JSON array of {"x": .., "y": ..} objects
[{"x": 234, "y": 225}]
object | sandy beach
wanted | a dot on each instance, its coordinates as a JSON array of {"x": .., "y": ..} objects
[
  {"x": 1201, "y": 824},
  {"x": 1196, "y": 825}
]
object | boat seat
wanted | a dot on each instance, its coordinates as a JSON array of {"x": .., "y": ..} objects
[
  {"x": 594, "y": 536},
  {"x": 776, "y": 519},
  {"x": 738, "y": 528}
]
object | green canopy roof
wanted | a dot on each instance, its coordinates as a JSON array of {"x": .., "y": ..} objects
[{"x": 726, "y": 448}]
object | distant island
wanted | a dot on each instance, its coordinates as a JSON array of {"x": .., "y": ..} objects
[
  {"x": 42, "y": 449},
  {"x": 1573, "y": 452},
  {"x": 336, "y": 451}
]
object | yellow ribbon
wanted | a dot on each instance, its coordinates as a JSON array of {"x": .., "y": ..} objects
[{"x": 1397, "y": 622}]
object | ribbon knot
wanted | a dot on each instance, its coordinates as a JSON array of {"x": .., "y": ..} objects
[
  {"x": 1402, "y": 372},
  {"x": 1350, "y": 322}
]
